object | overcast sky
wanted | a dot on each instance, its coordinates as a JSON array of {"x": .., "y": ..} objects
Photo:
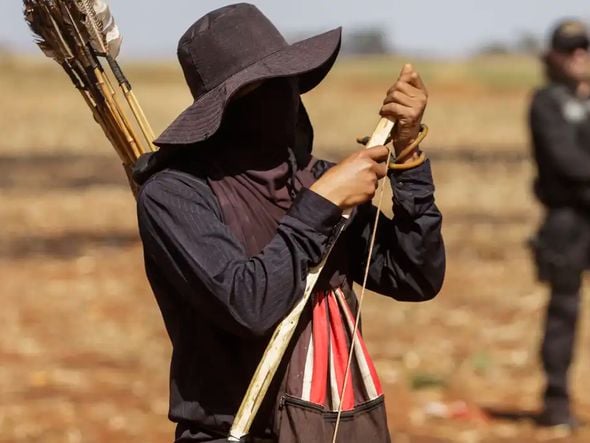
[{"x": 429, "y": 27}]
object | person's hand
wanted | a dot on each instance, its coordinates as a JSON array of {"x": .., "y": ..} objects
[
  {"x": 405, "y": 103},
  {"x": 354, "y": 180}
]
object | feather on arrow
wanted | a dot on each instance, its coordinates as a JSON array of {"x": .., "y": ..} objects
[{"x": 105, "y": 36}]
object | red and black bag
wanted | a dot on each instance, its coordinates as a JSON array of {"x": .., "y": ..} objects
[{"x": 307, "y": 407}]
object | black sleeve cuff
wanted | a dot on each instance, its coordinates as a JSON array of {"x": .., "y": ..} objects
[
  {"x": 315, "y": 211},
  {"x": 413, "y": 190}
]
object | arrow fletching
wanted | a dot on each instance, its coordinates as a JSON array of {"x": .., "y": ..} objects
[
  {"x": 43, "y": 30},
  {"x": 105, "y": 36},
  {"x": 78, "y": 34}
]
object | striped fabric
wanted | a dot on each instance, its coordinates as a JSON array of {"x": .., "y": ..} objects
[{"x": 326, "y": 345}]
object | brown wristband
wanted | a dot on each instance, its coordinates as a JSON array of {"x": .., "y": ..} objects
[
  {"x": 414, "y": 145},
  {"x": 408, "y": 165}
]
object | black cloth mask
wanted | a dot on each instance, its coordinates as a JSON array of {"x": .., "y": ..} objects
[{"x": 251, "y": 165}]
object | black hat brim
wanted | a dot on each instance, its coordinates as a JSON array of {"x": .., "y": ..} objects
[{"x": 310, "y": 60}]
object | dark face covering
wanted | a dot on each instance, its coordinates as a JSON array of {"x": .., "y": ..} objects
[
  {"x": 251, "y": 165},
  {"x": 266, "y": 116}
]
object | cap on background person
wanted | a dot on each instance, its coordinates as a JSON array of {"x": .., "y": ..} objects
[{"x": 570, "y": 35}]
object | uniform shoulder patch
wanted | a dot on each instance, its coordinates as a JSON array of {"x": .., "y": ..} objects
[{"x": 575, "y": 111}]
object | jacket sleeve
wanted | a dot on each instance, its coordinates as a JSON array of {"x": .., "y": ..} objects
[
  {"x": 408, "y": 260},
  {"x": 184, "y": 236},
  {"x": 551, "y": 130}
]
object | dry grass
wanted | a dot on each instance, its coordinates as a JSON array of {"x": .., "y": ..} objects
[{"x": 83, "y": 349}]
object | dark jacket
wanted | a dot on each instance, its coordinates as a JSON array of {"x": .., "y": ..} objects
[
  {"x": 220, "y": 306},
  {"x": 560, "y": 127}
]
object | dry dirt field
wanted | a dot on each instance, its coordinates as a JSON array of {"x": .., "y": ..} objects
[{"x": 83, "y": 352}]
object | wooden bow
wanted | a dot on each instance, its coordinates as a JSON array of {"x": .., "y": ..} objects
[{"x": 281, "y": 338}]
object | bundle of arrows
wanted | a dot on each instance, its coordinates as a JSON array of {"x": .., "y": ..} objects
[{"x": 81, "y": 35}]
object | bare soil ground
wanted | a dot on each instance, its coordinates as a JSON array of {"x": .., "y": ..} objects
[{"x": 83, "y": 352}]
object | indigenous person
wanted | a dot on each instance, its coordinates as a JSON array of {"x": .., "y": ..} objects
[
  {"x": 560, "y": 126},
  {"x": 234, "y": 211}
]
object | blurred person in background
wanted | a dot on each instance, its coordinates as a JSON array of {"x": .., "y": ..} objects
[{"x": 560, "y": 126}]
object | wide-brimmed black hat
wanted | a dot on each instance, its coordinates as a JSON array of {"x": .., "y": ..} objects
[{"x": 233, "y": 47}]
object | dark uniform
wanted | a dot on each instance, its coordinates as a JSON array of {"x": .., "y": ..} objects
[{"x": 560, "y": 125}]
